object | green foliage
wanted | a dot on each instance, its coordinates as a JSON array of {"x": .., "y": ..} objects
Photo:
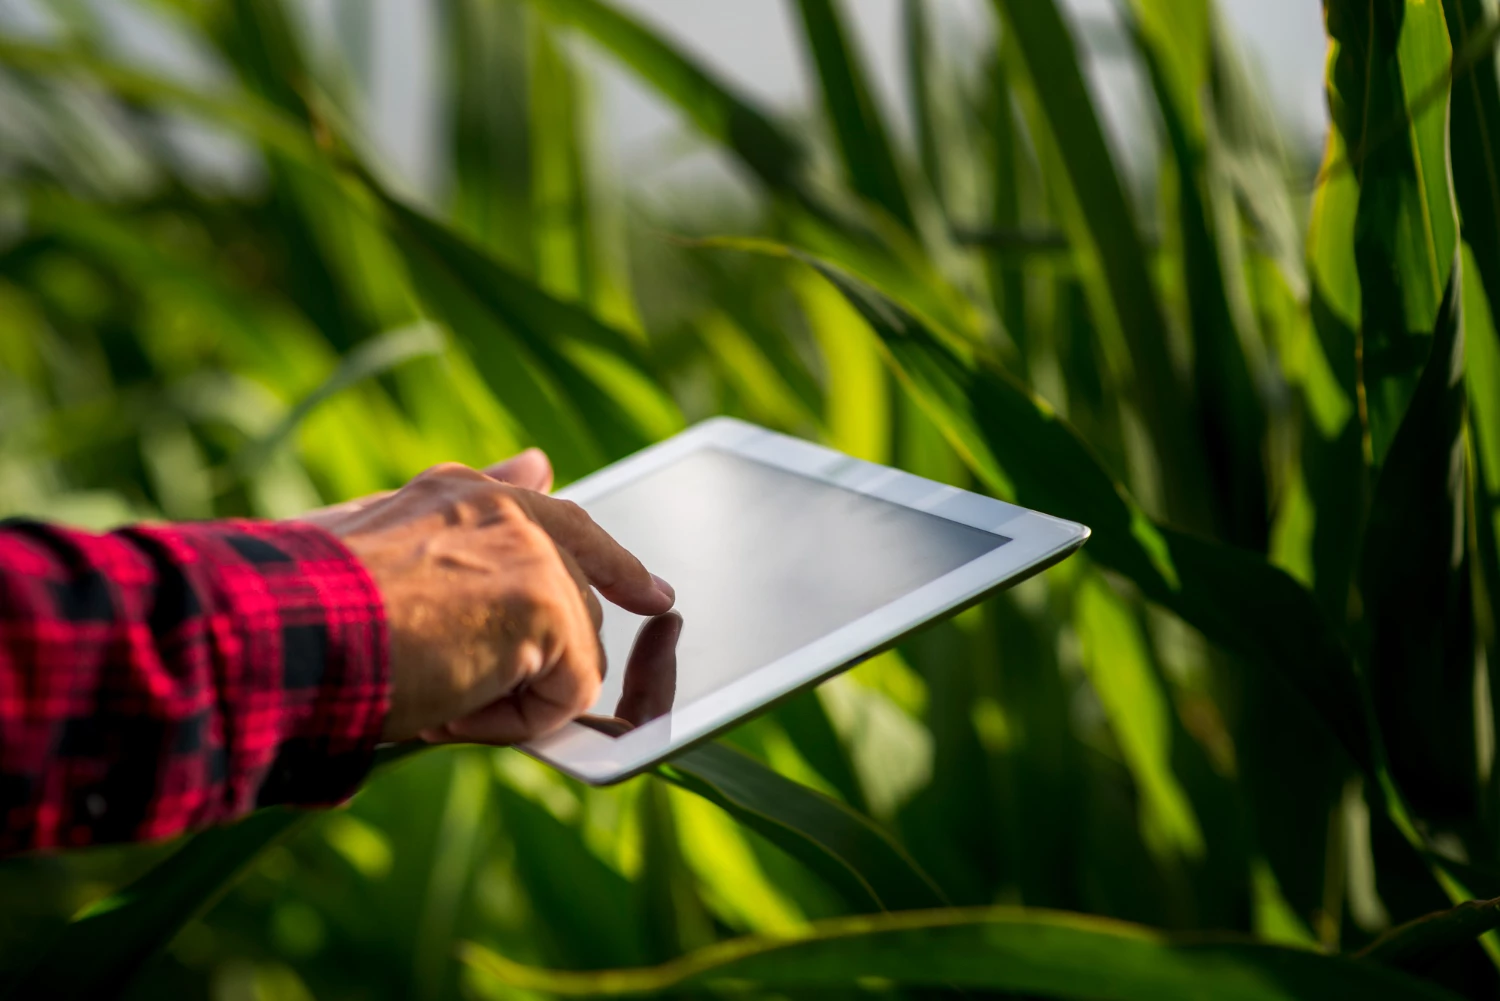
[
  {"x": 1258, "y": 706},
  {"x": 1038, "y": 952}
]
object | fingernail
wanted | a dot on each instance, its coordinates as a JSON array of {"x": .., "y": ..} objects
[{"x": 664, "y": 587}]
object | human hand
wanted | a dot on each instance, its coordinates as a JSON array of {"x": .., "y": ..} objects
[{"x": 494, "y": 628}]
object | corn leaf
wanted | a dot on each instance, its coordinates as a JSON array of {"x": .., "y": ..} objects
[
  {"x": 858, "y": 859},
  {"x": 1417, "y": 944},
  {"x": 380, "y": 354},
  {"x": 1232, "y": 596},
  {"x": 869, "y": 160},
  {"x": 104, "y": 946},
  {"x": 580, "y": 929},
  {"x": 1383, "y": 56},
  {"x": 1233, "y": 421},
  {"x": 557, "y": 356},
  {"x": 491, "y": 142},
  {"x": 830, "y": 226},
  {"x": 1104, "y": 225},
  {"x": 238, "y": 109},
  {"x": 776, "y": 159},
  {"x": 1474, "y": 129},
  {"x": 1030, "y": 952},
  {"x": 107, "y": 942},
  {"x": 1415, "y": 586},
  {"x": 1138, "y": 707}
]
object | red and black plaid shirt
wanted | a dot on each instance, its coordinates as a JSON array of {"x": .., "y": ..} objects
[{"x": 161, "y": 678}]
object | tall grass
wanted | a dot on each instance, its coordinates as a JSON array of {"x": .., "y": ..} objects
[{"x": 1258, "y": 705}]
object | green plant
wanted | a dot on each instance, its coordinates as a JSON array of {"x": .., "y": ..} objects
[{"x": 1259, "y": 706}]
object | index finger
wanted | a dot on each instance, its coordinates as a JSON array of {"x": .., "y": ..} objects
[{"x": 617, "y": 574}]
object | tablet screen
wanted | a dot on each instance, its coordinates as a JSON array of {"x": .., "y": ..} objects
[{"x": 764, "y": 561}]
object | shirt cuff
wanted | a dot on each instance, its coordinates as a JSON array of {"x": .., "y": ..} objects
[{"x": 301, "y": 653}]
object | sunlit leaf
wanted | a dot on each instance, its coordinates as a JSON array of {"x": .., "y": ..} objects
[
  {"x": 1031, "y": 952},
  {"x": 1233, "y": 421},
  {"x": 1103, "y": 225},
  {"x": 1382, "y": 57},
  {"x": 1474, "y": 128},
  {"x": 1137, "y": 705},
  {"x": 855, "y": 856},
  {"x": 560, "y": 343},
  {"x": 1234, "y": 597}
]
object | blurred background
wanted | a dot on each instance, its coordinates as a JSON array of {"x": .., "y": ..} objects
[{"x": 257, "y": 256}]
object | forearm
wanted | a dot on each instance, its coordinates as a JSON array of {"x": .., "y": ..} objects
[{"x": 167, "y": 677}]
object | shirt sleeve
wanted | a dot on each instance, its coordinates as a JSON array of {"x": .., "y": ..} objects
[{"x": 167, "y": 677}]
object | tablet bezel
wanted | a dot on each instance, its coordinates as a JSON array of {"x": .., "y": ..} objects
[{"x": 1037, "y": 541}]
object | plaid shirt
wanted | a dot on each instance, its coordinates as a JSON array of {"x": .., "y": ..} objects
[{"x": 166, "y": 677}]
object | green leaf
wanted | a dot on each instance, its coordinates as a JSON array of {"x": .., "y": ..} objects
[
  {"x": 673, "y": 918},
  {"x": 807, "y": 724},
  {"x": 380, "y": 354},
  {"x": 1232, "y": 419},
  {"x": 1482, "y": 376},
  {"x": 1102, "y": 227},
  {"x": 869, "y": 161},
  {"x": 106, "y": 943},
  {"x": 1474, "y": 131},
  {"x": 827, "y": 224},
  {"x": 774, "y": 156},
  {"x": 491, "y": 140},
  {"x": 96, "y": 955},
  {"x": 1232, "y": 596},
  {"x": 1030, "y": 952},
  {"x": 234, "y": 108},
  {"x": 562, "y": 372},
  {"x": 1139, "y": 710},
  {"x": 1416, "y": 590},
  {"x": 581, "y": 929},
  {"x": 857, "y": 858},
  {"x": 921, "y": 95},
  {"x": 1418, "y": 944},
  {"x": 1404, "y": 234}
]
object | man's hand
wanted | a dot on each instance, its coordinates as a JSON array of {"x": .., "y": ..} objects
[{"x": 494, "y": 628}]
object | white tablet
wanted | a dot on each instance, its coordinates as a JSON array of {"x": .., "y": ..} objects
[{"x": 791, "y": 562}]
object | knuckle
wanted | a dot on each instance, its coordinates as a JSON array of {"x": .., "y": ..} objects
[
  {"x": 570, "y": 509},
  {"x": 445, "y": 471},
  {"x": 502, "y": 504}
]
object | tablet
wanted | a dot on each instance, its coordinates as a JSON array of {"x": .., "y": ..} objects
[{"x": 791, "y": 562}]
